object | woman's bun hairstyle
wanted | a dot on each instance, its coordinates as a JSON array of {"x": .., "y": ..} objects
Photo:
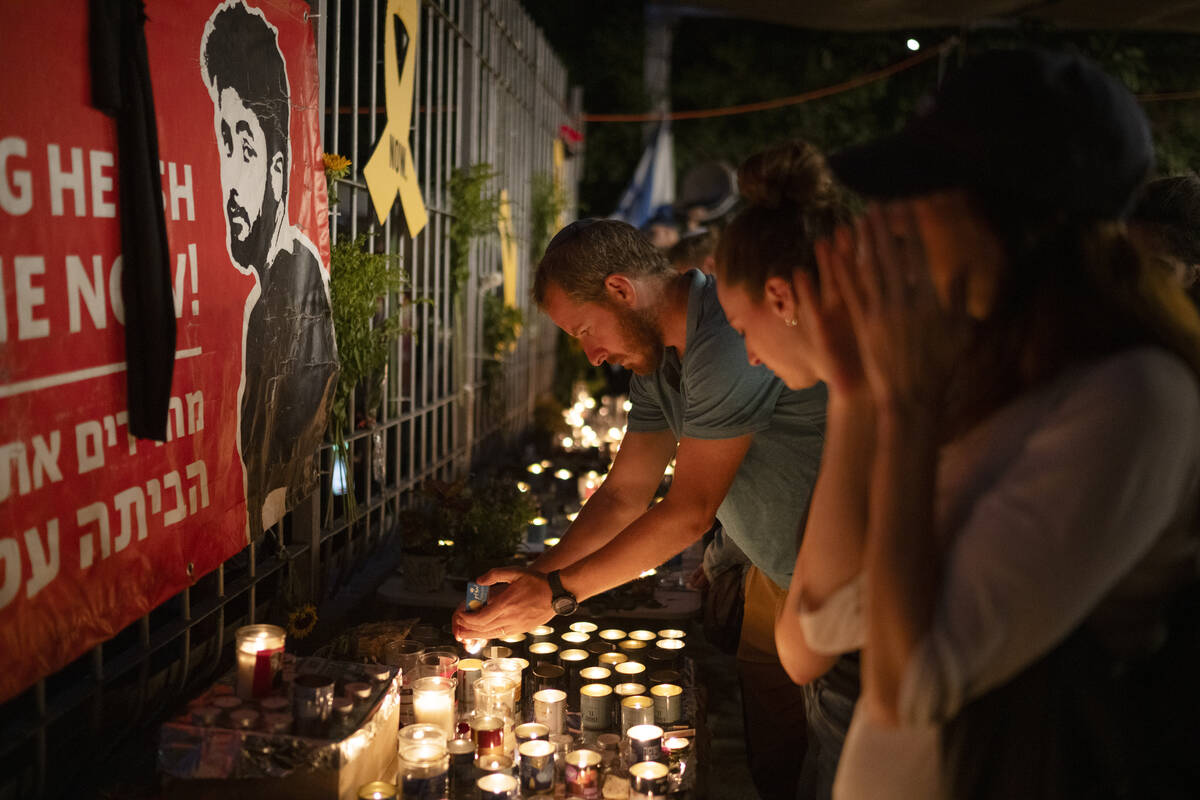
[{"x": 791, "y": 200}]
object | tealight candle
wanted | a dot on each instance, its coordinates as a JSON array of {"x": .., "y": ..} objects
[
  {"x": 628, "y": 670},
  {"x": 259, "y": 658},
  {"x": 610, "y": 660},
  {"x": 497, "y": 786},
  {"x": 582, "y": 773},
  {"x": 631, "y": 647},
  {"x": 595, "y": 675},
  {"x": 613, "y": 635},
  {"x": 575, "y": 637},
  {"x": 550, "y": 709},
  {"x": 543, "y": 653},
  {"x": 646, "y": 743},
  {"x": 537, "y": 766},
  {"x": 542, "y": 633},
  {"x": 377, "y": 790},
  {"x": 433, "y": 703},
  {"x": 648, "y": 781},
  {"x": 595, "y": 706},
  {"x": 636, "y": 710},
  {"x": 668, "y": 703}
]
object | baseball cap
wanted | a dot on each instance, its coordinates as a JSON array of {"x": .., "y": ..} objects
[{"x": 1028, "y": 126}]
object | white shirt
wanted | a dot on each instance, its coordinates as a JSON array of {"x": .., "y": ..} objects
[{"x": 1075, "y": 502}]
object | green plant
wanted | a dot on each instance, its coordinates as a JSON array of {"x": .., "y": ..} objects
[
  {"x": 494, "y": 523},
  {"x": 435, "y": 517},
  {"x": 546, "y": 203},
  {"x": 359, "y": 280},
  {"x": 501, "y": 329},
  {"x": 475, "y": 212}
]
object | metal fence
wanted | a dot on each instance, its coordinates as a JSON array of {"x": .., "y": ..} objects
[{"x": 488, "y": 89}]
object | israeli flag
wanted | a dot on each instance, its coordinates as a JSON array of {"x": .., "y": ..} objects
[{"x": 653, "y": 184}]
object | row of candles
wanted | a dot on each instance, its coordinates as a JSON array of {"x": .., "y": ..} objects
[{"x": 477, "y": 704}]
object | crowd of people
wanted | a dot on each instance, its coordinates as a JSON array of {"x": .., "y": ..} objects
[{"x": 941, "y": 391}]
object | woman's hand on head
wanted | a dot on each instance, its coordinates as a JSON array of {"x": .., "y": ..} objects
[
  {"x": 825, "y": 319},
  {"x": 908, "y": 340}
]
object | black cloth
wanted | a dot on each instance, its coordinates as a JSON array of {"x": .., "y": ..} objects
[
  {"x": 291, "y": 367},
  {"x": 1081, "y": 723},
  {"x": 121, "y": 89}
]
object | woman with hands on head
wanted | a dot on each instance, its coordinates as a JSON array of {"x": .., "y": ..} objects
[
  {"x": 1034, "y": 469},
  {"x": 767, "y": 279}
]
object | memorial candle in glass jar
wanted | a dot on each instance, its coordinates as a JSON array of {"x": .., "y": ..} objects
[{"x": 259, "y": 659}]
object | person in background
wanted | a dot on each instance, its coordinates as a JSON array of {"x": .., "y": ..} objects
[
  {"x": 694, "y": 250},
  {"x": 1035, "y": 465},
  {"x": 1165, "y": 223},
  {"x": 739, "y": 438},
  {"x": 790, "y": 202}
]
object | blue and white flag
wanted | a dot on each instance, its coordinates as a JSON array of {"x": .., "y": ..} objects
[{"x": 653, "y": 184}]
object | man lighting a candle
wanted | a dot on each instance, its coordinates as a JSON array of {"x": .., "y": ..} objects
[{"x": 746, "y": 450}]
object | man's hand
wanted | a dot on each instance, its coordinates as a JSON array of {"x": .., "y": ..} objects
[{"x": 522, "y": 606}]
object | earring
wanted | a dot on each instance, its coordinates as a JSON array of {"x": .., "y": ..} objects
[{"x": 791, "y": 323}]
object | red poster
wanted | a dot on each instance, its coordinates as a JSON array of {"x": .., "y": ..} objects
[{"x": 97, "y": 528}]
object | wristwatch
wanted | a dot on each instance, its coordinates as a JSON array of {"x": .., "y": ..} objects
[{"x": 563, "y": 602}]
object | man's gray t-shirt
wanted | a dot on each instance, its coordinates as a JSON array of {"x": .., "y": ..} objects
[{"x": 716, "y": 394}]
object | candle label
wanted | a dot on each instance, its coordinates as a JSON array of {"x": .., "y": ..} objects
[
  {"x": 583, "y": 781},
  {"x": 267, "y": 666},
  {"x": 537, "y": 773},
  {"x": 431, "y": 788}
]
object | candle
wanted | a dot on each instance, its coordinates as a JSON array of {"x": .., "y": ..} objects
[
  {"x": 628, "y": 670},
  {"x": 550, "y": 709},
  {"x": 312, "y": 702},
  {"x": 537, "y": 766},
  {"x": 358, "y": 692},
  {"x": 595, "y": 706},
  {"x": 575, "y": 637},
  {"x": 583, "y": 626},
  {"x": 613, "y": 635},
  {"x": 595, "y": 675},
  {"x": 433, "y": 703},
  {"x": 542, "y": 633},
  {"x": 677, "y": 748},
  {"x": 487, "y": 731},
  {"x": 631, "y": 647},
  {"x": 377, "y": 790},
  {"x": 496, "y": 763},
  {"x": 469, "y": 671},
  {"x": 243, "y": 718},
  {"x": 674, "y": 647},
  {"x": 636, "y": 710},
  {"x": 515, "y": 642},
  {"x": 462, "y": 766},
  {"x": 610, "y": 660},
  {"x": 528, "y": 732},
  {"x": 424, "y": 770},
  {"x": 642, "y": 635},
  {"x": 497, "y": 786},
  {"x": 259, "y": 658},
  {"x": 624, "y": 690},
  {"x": 583, "y": 774},
  {"x": 496, "y": 694},
  {"x": 664, "y": 676},
  {"x": 646, "y": 743},
  {"x": 648, "y": 781},
  {"x": 543, "y": 653},
  {"x": 671, "y": 633},
  {"x": 668, "y": 703},
  {"x": 598, "y": 647}
]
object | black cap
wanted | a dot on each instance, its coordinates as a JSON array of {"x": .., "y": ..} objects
[{"x": 1028, "y": 126}]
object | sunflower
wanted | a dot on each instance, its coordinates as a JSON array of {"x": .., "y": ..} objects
[
  {"x": 302, "y": 620},
  {"x": 335, "y": 164}
]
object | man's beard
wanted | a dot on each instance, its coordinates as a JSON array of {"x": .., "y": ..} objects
[
  {"x": 643, "y": 340},
  {"x": 251, "y": 252}
]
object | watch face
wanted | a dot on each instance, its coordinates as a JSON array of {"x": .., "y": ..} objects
[{"x": 564, "y": 606}]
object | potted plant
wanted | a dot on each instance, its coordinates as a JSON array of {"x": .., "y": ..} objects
[
  {"x": 428, "y": 530},
  {"x": 493, "y": 525}
]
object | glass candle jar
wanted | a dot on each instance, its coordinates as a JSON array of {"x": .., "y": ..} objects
[
  {"x": 487, "y": 731},
  {"x": 424, "y": 769},
  {"x": 583, "y": 774},
  {"x": 259, "y": 659},
  {"x": 496, "y": 694},
  {"x": 536, "y": 767},
  {"x": 439, "y": 662},
  {"x": 433, "y": 703},
  {"x": 377, "y": 790}
]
